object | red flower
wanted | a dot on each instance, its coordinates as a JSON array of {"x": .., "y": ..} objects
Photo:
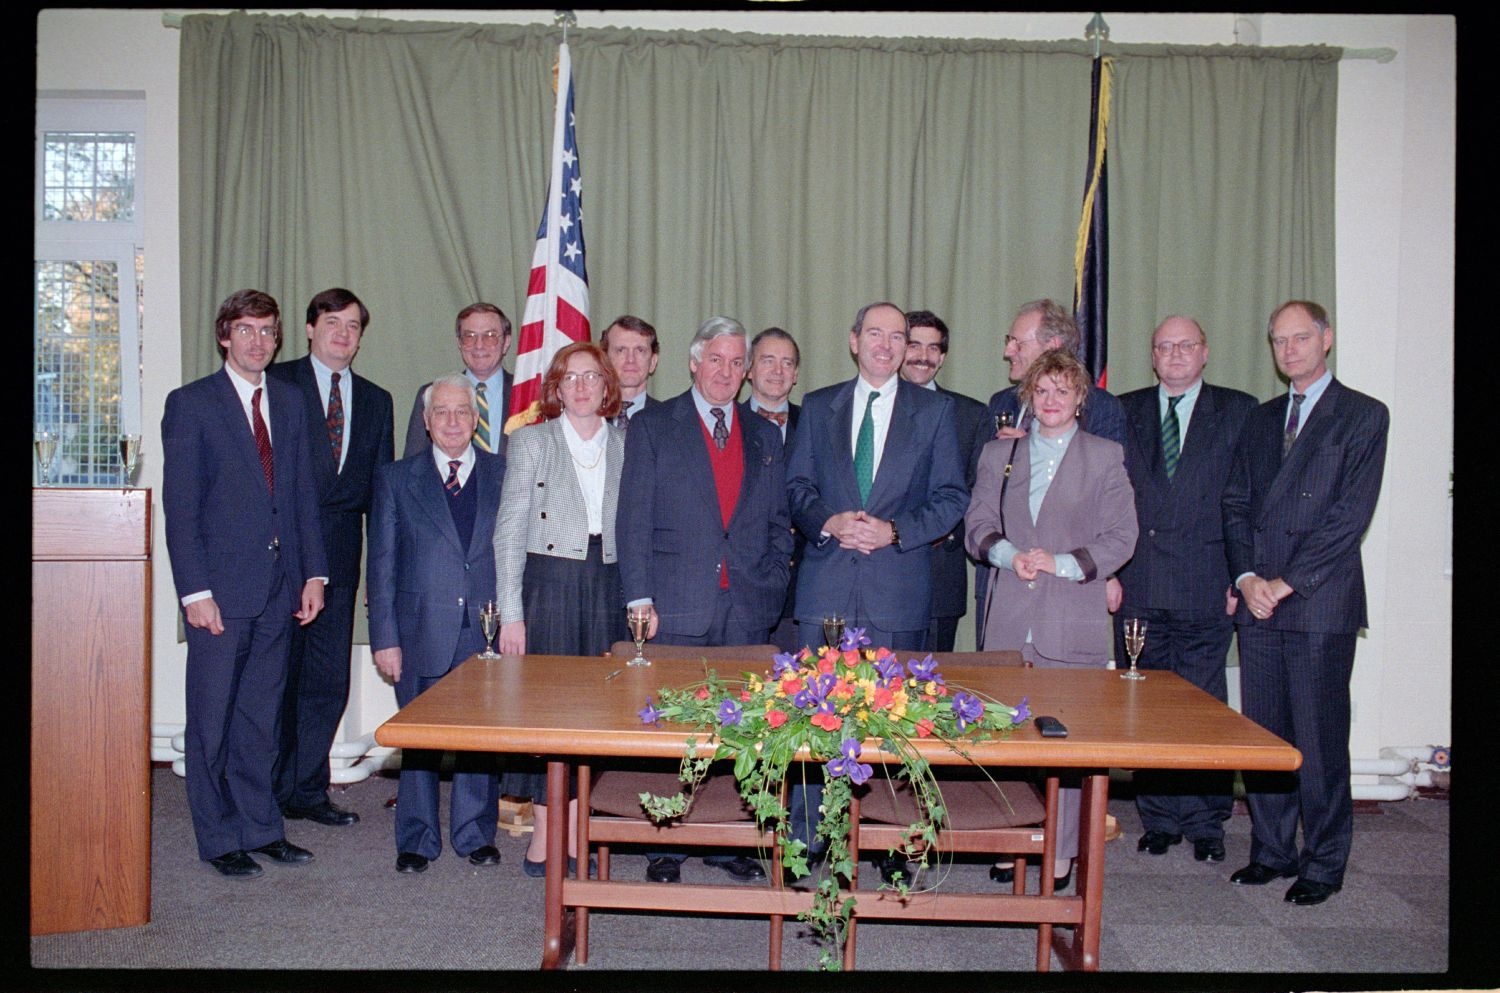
[
  {"x": 825, "y": 665},
  {"x": 882, "y": 699},
  {"x": 791, "y": 684},
  {"x": 924, "y": 728},
  {"x": 775, "y": 718},
  {"x": 744, "y": 694},
  {"x": 828, "y": 722},
  {"x": 702, "y": 693}
]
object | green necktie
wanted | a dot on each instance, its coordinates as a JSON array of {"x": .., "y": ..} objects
[
  {"x": 1171, "y": 437},
  {"x": 864, "y": 450},
  {"x": 482, "y": 429}
]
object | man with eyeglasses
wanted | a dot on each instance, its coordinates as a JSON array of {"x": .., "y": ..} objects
[
  {"x": 247, "y": 561},
  {"x": 1180, "y": 438},
  {"x": 483, "y": 333}
]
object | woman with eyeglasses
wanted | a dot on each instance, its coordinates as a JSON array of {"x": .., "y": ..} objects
[{"x": 555, "y": 563}]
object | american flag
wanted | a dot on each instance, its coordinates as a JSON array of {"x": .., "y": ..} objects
[{"x": 557, "y": 295}]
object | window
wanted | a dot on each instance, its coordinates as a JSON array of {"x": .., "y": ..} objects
[{"x": 87, "y": 281}]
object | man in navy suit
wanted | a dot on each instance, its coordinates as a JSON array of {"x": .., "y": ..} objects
[
  {"x": 1180, "y": 439},
  {"x": 632, "y": 349},
  {"x": 926, "y": 351},
  {"x": 704, "y": 537},
  {"x": 247, "y": 558},
  {"x": 1300, "y": 496},
  {"x": 432, "y": 567},
  {"x": 483, "y": 333},
  {"x": 348, "y": 426},
  {"x": 774, "y": 362}
]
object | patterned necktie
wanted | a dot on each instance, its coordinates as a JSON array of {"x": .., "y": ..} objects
[
  {"x": 778, "y": 416},
  {"x": 721, "y": 430},
  {"x": 864, "y": 450},
  {"x": 262, "y": 440},
  {"x": 451, "y": 483},
  {"x": 482, "y": 428},
  {"x": 1291, "y": 423},
  {"x": 1171, "y": 437},
  {"x": 336, "y": 421}
]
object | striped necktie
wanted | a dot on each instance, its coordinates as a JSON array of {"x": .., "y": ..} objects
[
  {"x": 262, "y": 441},
  {"x": 451, "y": 484},
  {"x": 482, "y": 428},
  {"x": 1171, "y": 437}
]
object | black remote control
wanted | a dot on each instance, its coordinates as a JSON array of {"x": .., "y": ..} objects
[{"x": 1051, "y": 727}]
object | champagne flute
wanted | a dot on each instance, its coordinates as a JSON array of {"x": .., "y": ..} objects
[
  {"x": 1135, "y": 641},
  {"x": 639, "y": 620},
  {"x": 833, "y": 630},
  {"x": 1003, "y": 420},
  {"x": 46, "y": 449},
  {"x": 489, "y": 623},
  {"x": 130, "y": 456}
]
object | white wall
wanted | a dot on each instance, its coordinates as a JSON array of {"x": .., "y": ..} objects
[{"x": 1395, "y": 213}]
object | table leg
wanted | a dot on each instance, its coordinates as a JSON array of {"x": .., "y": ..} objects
[
  {"x": 557, "y": 930},
  {"x": 1082, "y": 953}
]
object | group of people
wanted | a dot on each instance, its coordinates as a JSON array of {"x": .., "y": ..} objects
[{"x": 1186, "y": 505}]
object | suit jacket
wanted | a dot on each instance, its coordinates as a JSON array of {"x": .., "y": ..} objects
[
  {"x": 920, "y": 485},
  {"x": 1179, "y": 562},
  {"x": 343, "y": 496},
  {"x": 1302, "y": 519},
  {"x": 672, "y": 535},
  {"x": 1089, "y": 511},
  {"x": 416, "y": 428},
  {"x": 1102, "y": 415},
  {"x": 422, "y": 580},
  {"x": 544, "y": 510},
  {"x": 793, "y": 412},
  {"x": 950, "y": 563},
  {"x": 221, "y": 519}
]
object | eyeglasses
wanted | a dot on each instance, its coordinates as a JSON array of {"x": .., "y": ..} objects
[
  {"x": 244, "y": 332},
  {"x": 475, "y": 337},
  {"x": 1165, "y": 348},
  {"x": 589, "y": 378},
  {"x": 1013, "y": 340}
]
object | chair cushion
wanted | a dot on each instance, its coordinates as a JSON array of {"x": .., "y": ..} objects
[
  {"x": 716, "y": 801},
  {"x": 973, "y": 803}
]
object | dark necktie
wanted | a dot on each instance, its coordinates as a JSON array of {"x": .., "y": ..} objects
[
  {"x": 864, "y": 450},
  {"x": 451, "y": 483},
  {"x": 1171, "y": 437},
  {"x": 336, "y": 421},
  {"x": 721, "y": 430},
  {"x": 262, "y": 441},
  {"x": 777, "y": 416},
  {"x": 1291, "y": 423},
  {"x": 482, "y": 426}
]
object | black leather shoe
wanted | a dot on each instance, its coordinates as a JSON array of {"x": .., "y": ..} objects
[
  {"x": 1060, "y": 883},
  {"x": 1003, "y": 873},
  {"x": 1208, "y": 849},
  {"x": 324, "y": 813},
  {"x": 485, "y": 855},
  {"x": 1157, "y": 842},
  {"x": 284, "y": 852},
  {"x": 1256, "y": 874},
  {"x": 664, "y": 871},
  {"x": 236, "y": 865},
  {"x": 411, "y": 862},
  {"x": 890, "y": 865},
  {"x": 746, "y": 870},
  {"x": 1310, "y": 892}
]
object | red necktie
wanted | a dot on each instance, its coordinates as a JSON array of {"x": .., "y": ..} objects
[
  {"x": 451, "y": 484},
  {"x": 262, "y": 440}
]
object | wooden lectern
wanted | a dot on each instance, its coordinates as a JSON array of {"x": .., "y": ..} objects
[{"x": 90, "y": 709}]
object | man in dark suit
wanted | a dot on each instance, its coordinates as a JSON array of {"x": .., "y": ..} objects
[
  {"x": 926, "y": 351},
  {"x": 632, "y": 349},
  {"x": 247, "y": 558},
  {"x": 432, "y": 566},
  {"x": 348, "y": 426},
  {"x": 1300, "y": 496},
  {"x": 1180, "y": 439},
  {"x": 774, "y": 361},
  {"x": 483, "y": 339},
  {"x": 704, "y": 537}
]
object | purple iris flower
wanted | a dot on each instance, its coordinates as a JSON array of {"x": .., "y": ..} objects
[
  {"x": 784, "y": 663},
  {"x": 889, "y": 668},
  {"x": 817, "y": 689},
  {"x": 848, "y": 764},
  {"x": 730, "y": 712},
  {"x": 1022, "y": 710},
  {"x": 853, "y": 638},
  {"x": 925, "y": 670},
  {"x": 968, "y": 709},
  {"x": 649, "y": 714}
]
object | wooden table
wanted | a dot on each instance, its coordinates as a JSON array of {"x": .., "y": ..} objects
[{"x": 578, "y": 708}]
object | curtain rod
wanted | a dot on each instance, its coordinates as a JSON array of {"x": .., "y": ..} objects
[{"x": 173, "y": 19}]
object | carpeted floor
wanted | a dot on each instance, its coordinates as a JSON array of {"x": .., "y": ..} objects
[{"x": 349, "y": 910}]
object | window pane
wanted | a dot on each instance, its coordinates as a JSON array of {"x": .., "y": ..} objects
[
  {"x": 88, "y": 176},
  {"x": 77, "y": 386}
]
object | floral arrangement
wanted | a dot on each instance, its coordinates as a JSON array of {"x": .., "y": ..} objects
[{"x": 830, "y": 702}]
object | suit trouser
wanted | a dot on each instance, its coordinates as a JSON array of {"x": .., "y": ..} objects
[
  {"x": 317, "y": 690},
  {"x": 1295, "y": 684},
  {"x": 1190, "y": 803},
  {"x": 474, "y": 805},
  {"x": 234, "y": 683}
]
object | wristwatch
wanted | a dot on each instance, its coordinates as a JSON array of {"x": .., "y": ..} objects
[{"x": 895, "y": 534}]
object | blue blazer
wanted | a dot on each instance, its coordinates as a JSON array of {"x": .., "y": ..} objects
[
  {"x": 950, "y": 563},
  {"x": 1303, "y": 519},
  {"x": 920, "y": 485},
  {"x": 221, "y": 519},
  {"x": 343, "y": 497},
  {"x": 1180, "y": 563},
  {"x": 671, "y": 533},
  {"x": 422, "y": 579}
]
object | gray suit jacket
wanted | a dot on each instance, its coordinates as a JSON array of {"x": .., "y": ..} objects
[
  {"x": 543, "y": 510},
  {"x": 1089, "y": 511}
]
